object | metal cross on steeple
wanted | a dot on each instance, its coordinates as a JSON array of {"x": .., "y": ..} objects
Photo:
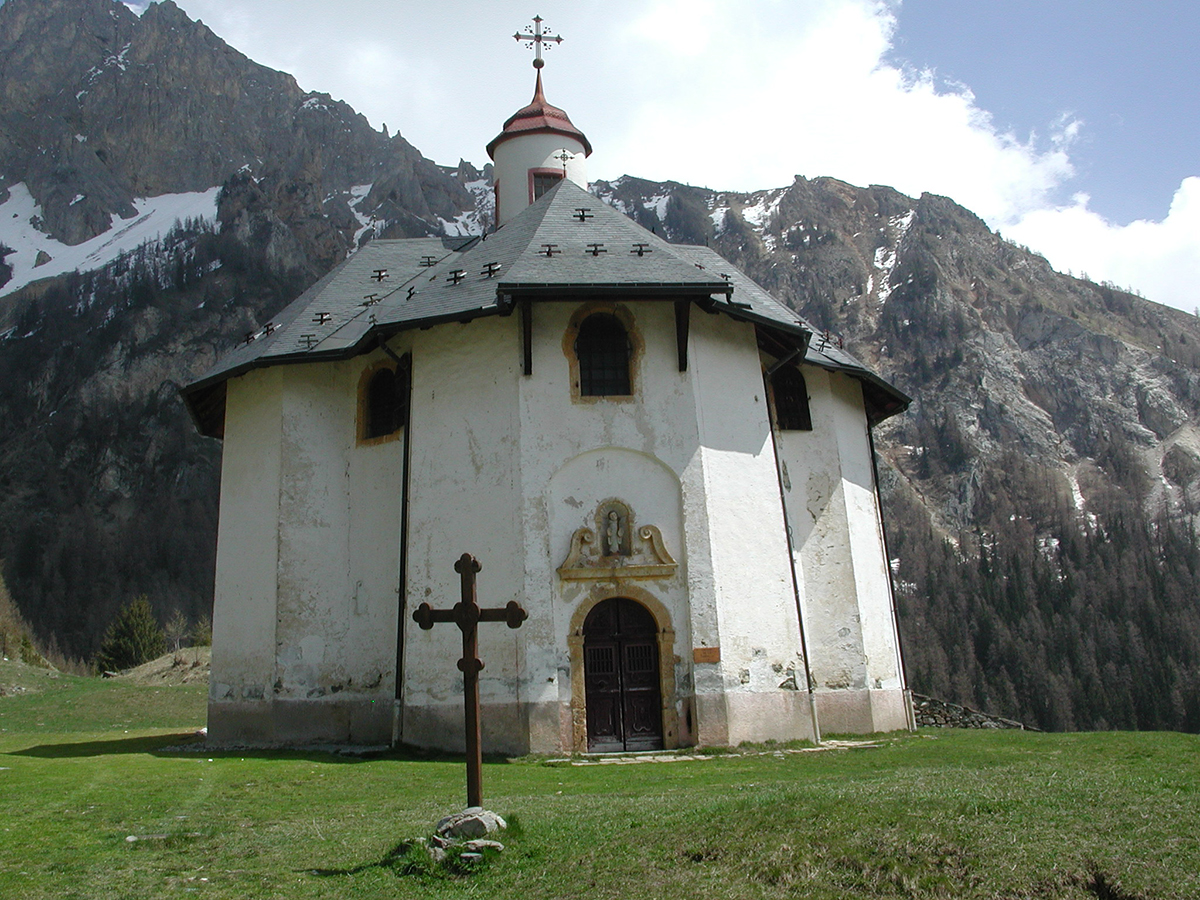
[{"x": 534, "y": 38}]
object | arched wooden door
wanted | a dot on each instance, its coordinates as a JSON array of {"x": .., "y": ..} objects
[{"x": 621, "y": 678}]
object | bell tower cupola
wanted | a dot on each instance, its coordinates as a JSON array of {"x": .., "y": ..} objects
[{"x": 538, "y": 145}]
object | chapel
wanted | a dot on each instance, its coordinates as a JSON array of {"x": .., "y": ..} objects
[{"x": 643, "y": 448}]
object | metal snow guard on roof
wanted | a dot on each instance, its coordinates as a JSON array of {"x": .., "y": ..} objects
[{"x": 567, "y": 245}]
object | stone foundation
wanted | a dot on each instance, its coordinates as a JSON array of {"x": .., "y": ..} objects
[
  {"x": 863, "y": 712},
  {"x": 293, "y": 723}
]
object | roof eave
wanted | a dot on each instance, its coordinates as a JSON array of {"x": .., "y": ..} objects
[
  {"x": 882, "y": 400},
  {"x": 192, "y": 393},
  {"x": 574, "y": 290},
  {"x": 504, "y": 136}
]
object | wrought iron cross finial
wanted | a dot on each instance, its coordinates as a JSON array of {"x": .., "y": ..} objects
[{"x": 534, "y": 38}]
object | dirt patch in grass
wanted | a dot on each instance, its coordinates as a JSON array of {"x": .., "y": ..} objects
[{"x": 187, "y": 666}]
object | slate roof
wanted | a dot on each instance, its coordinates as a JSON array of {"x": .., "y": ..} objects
[
  {"x": 823, "y": 350},
  {"x": 568, "y": 245}
]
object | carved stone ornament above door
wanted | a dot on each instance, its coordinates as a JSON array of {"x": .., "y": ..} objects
[{"x": 621, "y": 550}]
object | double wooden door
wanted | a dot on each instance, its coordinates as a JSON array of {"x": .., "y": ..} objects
[{"x": 621, "y": 678}]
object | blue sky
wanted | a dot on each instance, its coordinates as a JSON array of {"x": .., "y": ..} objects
[
  {"x": 1071, "y": 126},
  {"x": 1127, "y": 70}
]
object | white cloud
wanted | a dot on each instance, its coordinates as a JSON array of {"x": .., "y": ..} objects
[
  {"x": 785, "y": 89},
  {"x": 1159, "y": 259}
]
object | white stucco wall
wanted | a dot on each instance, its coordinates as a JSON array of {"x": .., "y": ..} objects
[
  {"x": 834, "y": 515},
  {"x": 507, "y": 468},
  {"x": 315, "y": 517},
  {"x": 577, "y": 453},
  {"x": 516, "y": 156},
  {"x": 464, "y": 498},
  {"x": 750, "y": 596},
  {"x": 243, "y": 660}
]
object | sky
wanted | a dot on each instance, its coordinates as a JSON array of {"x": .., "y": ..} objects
[{"x": 1071, "y": 126}]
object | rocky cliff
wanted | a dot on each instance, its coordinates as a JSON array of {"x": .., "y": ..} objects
[{"x": 100, "y": 107}]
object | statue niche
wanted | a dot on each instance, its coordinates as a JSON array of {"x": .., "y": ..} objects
[
  {"x": 609, "y": 551},
  {"x": 613, "y": 520}
]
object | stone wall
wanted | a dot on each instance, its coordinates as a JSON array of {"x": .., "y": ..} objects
[{"x": 931, "y": 713}]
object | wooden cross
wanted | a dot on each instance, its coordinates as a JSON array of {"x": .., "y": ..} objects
[
  {"x": 534, "y": 37},
  {"x": 466, "y": 614}
]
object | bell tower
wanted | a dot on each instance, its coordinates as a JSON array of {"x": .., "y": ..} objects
[{"x": 538, "y": 145}]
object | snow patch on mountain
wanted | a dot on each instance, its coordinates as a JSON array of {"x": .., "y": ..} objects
[
  {"x": 365, "y": 223},
  {"x": 718, "y": 219},
  {"x": 760, "y": 212},
  {"x": 658, "y": 204},
  {"x": 474, "y": 221},
  {"x": 21, "y": 231},
  {"x": 885, "y": 256}
]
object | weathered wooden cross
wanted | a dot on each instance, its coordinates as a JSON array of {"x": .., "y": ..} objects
[{"x": 467, "y": 615}]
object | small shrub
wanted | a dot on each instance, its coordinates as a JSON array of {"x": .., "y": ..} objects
[
  {"x": 30, "y": 655},
  {"x": 134, "y": 637},
  {"x": 177, "y": 630},
  {"x": 202, "y": 632}
]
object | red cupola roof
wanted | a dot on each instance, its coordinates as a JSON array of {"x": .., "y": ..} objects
[{"x": 539, "y": 117}]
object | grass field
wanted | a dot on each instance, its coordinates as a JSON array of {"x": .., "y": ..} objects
[{"x": 83, "y": 767}]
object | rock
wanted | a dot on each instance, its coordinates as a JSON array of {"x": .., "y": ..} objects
[
  {"x": 479, "y": 845},
  {"x": 931, "y": 713},
  {"x": 473, "y": 822}
]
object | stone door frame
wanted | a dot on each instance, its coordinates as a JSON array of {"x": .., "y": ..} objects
[{"x": 666, "y": 661}]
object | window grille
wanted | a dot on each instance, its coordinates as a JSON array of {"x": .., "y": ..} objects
[
  {"x": 543, "y": 181},
  {"x": 791, "y": 400},
  {"x": 603, "y": 351},
  {"x": 387, "y": 394}
]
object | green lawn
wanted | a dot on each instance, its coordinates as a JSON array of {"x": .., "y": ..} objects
[{"x": 937, "y": 814}]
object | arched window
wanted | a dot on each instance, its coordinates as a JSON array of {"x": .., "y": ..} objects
[
  {"x": 791, "y": 400},
  {"x": 603, "y": 350},
  {"x": 382, "y": 403}
]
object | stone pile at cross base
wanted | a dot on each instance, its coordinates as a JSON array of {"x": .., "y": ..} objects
[{"x": 467, "y": 830}]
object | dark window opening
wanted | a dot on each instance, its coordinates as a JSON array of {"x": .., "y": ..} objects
[
  {"x": 791, "y": 400},
  {"x": 602, "y": 349},
  {"x": 543, "y": 181},
  {"x": 387, "y": 395}
]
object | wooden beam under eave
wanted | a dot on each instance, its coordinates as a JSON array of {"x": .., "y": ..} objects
[
  {"x": 527, "y": 336},
  {"x": 683, "y": 309}
]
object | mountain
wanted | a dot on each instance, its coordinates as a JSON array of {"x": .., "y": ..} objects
[
  {"x": 1041, "y": 494},
  {"x": 102, "y": 107},
  {"x": 108, "y": 123}
]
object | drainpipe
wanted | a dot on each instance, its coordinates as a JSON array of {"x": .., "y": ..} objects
[
  {"x": 887, "y": 562},
  {"x": 405, "y": 365},
  {"x": 787, "y": 530}
]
